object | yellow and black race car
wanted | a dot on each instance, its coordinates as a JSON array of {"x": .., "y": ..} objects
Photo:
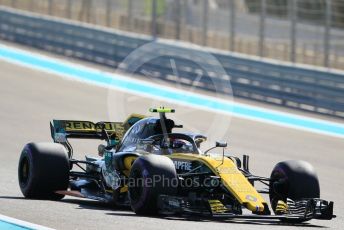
[{"x": 148, "y": 166}]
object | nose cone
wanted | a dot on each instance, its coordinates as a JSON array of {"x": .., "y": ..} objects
[{"x": 255, "y": 206}]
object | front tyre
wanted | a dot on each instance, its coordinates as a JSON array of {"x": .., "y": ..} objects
[
  {"x": 43, "y": 169},
  {"x": 294, "y": 180},
  {"x": 151, "y": 176}
]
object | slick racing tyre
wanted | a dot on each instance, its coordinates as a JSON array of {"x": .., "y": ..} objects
[
  {"x": 151, "y": 176},
  {"x": 294, "y": 180},
  {"x": 43, "y": 169}
]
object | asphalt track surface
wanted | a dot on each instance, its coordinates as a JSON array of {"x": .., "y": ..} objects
[{"x": 29, "y": 99}]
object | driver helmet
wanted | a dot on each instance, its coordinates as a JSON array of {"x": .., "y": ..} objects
[{"x": 181, "y": 145}]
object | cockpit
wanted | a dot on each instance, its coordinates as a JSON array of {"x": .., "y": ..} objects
[{"x": 148, "y": 135}]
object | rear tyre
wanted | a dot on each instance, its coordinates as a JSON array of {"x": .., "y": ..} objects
[
  {"x": 151, "y": 176},
  {"x": 294, "y": 180},
  {"x": 43, "y": 169}
]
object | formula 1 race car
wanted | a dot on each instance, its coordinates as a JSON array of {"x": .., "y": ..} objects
[{"x": 154, "y": 170}]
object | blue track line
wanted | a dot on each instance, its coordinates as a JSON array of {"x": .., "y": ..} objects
[
  {"x": 93, "y": 76},
  {"x": 10, "y": 226}
]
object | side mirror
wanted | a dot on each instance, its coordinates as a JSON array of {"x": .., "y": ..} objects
[
  {"x": 218, "y": 144},
  {"x": 101, "y": 150},
  {"x": 146, "y": 141},
  {"x": 145, "y": 145},
  {"x": 221, "y": 144}
]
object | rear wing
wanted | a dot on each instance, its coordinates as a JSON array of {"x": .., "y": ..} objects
[{"x": 61, "y": 130}]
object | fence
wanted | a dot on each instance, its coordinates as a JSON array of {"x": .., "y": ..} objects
[
  {"x": 301, "y": 31},
  {"x": 286, "y": 85}
]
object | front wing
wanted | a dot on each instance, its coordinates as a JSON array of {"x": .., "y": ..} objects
[{"x": 297, "y": 211}]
